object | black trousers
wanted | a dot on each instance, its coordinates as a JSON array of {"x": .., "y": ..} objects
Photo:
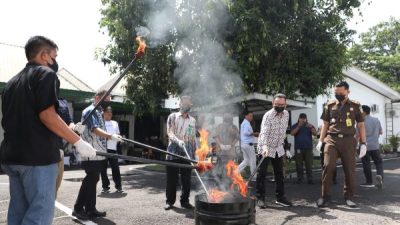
[
  {"x": 116, "y": 174},
  {"x": 277, "y": 164},
  {"x": 366, "y": 161},
  {"x": 87, "y": 194},
  {"x": 304, "y": 156},
  {"x": 172, "y": 179}
]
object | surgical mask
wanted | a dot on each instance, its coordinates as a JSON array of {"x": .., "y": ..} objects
[
  {"x": 54, "y": 66},
  {"x": 340, "y": 97},
  {"x": 279, "y": 109},
  {"x": 185, "y": 109}
]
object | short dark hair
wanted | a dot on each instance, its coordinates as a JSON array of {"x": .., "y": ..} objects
[
  {"x": 108, "y": 109},
  {"x": 366, "y": 109},
  {"x": 280, "y": 95},
  {"x": 246, "y": 112},
  {"x": 36, "y": 44},
  {"x": 343, "y": 84},
  {"x": 101, "y": 92},
  {"x": 303, "y": 116}
]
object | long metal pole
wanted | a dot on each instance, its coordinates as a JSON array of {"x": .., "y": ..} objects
[
  {"x": 159, "y": 150},
  {"x": 197, "y": 173},
  {"x": 143, "y": 160},
  {"x": 255, "y": 171},
  {"x": 110, "y": 89}
]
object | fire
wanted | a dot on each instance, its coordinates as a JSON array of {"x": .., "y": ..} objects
[
  {"x": 216, "y": 195},
  {"x": 204, "y": 149},
  {"x": 203, "y": 166},
  {"x": 232, "y": 171},
  {"x": 142, "y": 46}
]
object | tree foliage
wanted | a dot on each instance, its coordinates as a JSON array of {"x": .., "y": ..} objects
[
  {"x": 378, "y": 52},
  {"x": 292, "y": 46}
]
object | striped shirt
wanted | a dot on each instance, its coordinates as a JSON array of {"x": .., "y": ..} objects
[
  {"x": 181, "y": 128},
  {"x": 273, "y": 132}
]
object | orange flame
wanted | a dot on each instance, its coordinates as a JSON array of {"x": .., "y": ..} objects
[
  {"x": 232, "y": 171},
  {"x": 216, "y": 195},
  {"x": 204, "y": 149},
  {"x": 142, "y": 46},
  {"x": 203, "y": 166}
]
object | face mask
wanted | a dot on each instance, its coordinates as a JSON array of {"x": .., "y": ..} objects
[
  {"x": 104, "y": 104},
  {"x": 279, "y": 109},
  {"x": 340, "y": 97},
  {"x": 54, "y": 66},
  {"x": 185, "y": 109}
]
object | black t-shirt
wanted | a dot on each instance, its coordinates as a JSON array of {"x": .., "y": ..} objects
[{"x": 27, "y": 141}]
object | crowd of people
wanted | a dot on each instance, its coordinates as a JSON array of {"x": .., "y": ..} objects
[{"x": 37, "y": 125}]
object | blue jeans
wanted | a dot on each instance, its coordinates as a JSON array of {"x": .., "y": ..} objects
[{"x": 32, "y": 194}]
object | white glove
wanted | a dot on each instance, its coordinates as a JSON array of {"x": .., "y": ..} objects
[
  {"x": 319, "y": 146},
  {"x": 79, "y": 128},
  {"x": 225, "y": 147},
  {"x": 85, "y": 149},
  {"x": 181, "y": 143},
  {"x": 363, "y": 150},
  {"x": 288, "y": 154},
  {"x": 116, "y": 137},
  {"x": 264, "y": 152}
]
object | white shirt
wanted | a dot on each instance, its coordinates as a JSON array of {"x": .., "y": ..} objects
[
  {"x": 273, "y": 132},
  {"x": 112, "y": 128}
]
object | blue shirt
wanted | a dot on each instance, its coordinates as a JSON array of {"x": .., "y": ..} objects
[
  {"x": 372, "y": 130},
  {"x": 303, "y": 138},
  {"x": 246, "y": 133}
]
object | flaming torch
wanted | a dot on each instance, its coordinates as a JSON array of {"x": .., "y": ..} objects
[{"x": 139, "y": 53}]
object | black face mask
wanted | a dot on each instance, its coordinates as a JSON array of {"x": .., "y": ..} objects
[
  {"x": 54, "y": 66},
  {"x": 279, "y": 109},
  {"x": 104, "y": 104},
  {"x": 340, "y": 97}
]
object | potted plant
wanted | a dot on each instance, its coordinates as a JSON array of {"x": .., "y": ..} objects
[
  {"x": 386, "y": 148},
  {"x": 394, "y": 141}
]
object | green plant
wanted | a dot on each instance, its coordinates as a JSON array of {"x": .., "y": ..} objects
[
  {"x": 394, "y": 141},
  {"x": 386, "y": 148}
]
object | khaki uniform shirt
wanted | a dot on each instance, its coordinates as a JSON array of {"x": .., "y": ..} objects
[{"x": 342, "y": 118}]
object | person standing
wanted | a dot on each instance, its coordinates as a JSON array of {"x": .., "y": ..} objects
[
  {"x": 111, "y": 128},
  {"x": 227, "y": 135},
  {"x": 181, "y": 130},
  {"x": 271, "y": 145},
  {"x": 340, "y": 117},
  {"x": 96, "y": 134},
  {"x": 29, "y": 152},
  {"x": 373, "y": 130},
  {"x": 247, "y": 143},
  {"x": 303, "y": 147}
]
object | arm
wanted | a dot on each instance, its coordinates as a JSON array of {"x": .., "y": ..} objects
[
  {"x": 170, "y": 129},
  {"x": 53, "y": 122},
  {"x": 324, "y": 130},
  {"x": 361, "y": 130},
  {"x": 262, "y": 140},
  {"x": 101, "y": 133},
  {"x": 314, "y": 131},
  {"x": 236, "y": 135},
  {"x": 295, "y": 130}
]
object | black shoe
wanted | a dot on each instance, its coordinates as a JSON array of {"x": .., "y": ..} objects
[
  {"x": 106, "y": 190},
  {"x": 187, "y": 205},
  {"x": 119, "y": 190},
  {"x": 80, "y": 215},
  {"x": 310, "y": 182},
  {"x": 261, "y": 203},
  {"x": 350, "y": 203},
  {"x": 95, "y": 214},
  {"x": 323, "y": 202},
  {"x": 379, "y": 181},
  {"x": 283, "y": 201},
  {"x": 168, "y": 206}
]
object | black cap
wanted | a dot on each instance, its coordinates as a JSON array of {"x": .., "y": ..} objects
[{"x": 303, "y": 116}]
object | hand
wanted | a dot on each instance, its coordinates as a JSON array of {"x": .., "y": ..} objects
[
  {"x": 181, "y": 143},
  {"x": 288, "y": 154},
  {"x": 319, "y": 146},
  {"x": 116, "y": 137},
  {"x": 85, "y": 149},
  {"x": 79, "y": 128},
  {"x": 363, "y": 150},
  {"x": 300, "y": 123},
  {"x": 264, "y": 152}
]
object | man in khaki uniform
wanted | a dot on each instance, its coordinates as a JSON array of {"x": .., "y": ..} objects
[{"x": 338, "y": 133}]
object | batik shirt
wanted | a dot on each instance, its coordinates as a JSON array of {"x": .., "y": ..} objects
[{"x": 273, "y": 132}]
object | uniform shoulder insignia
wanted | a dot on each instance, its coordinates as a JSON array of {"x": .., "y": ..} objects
[{"x": 355, "y": 102}]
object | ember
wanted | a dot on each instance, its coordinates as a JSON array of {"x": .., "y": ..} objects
[
  {"x": 232, "y": 171},
  {"x": 216, "y": 195},
  {"x": 142, "y": 46}
]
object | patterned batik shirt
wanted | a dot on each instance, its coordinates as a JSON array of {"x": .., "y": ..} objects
[
  {"x": 273, "y": 132},
  {"x": 181, "y": 128}
]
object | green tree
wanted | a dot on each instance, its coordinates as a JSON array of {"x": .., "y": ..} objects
[
  {"x": 292, "y": 46},
  {"x": 378, "y": 52}
]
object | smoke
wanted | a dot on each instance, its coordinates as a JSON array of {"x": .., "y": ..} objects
[{"x": 205, "y": 71}]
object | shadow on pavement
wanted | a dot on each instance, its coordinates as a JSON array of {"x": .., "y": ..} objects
[
  {"x": 112, "y": 195},
  {"x": 187, "y": 212}
]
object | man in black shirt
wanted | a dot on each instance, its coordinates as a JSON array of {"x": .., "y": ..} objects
[{"x": 30, "y": 150}]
